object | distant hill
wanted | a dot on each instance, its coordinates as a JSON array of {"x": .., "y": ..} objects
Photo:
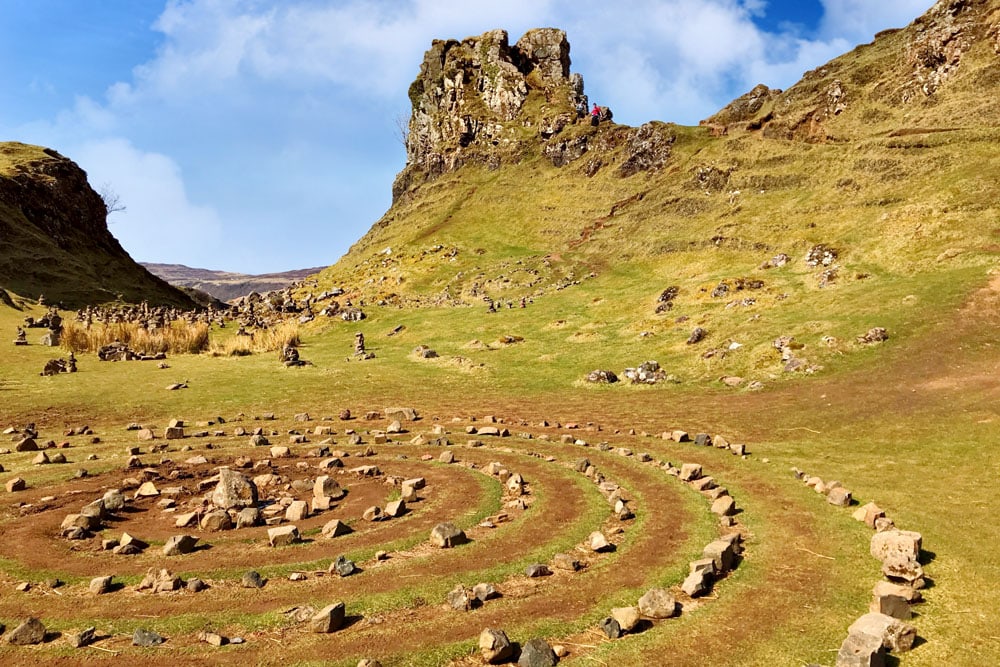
[
  {"x": 225, "y": 285},
  {"x": 54, "y": 238}
]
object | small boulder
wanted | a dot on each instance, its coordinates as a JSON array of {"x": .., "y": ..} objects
[
  {"x": 343, "y": 567},
  {"x": 458, "y": 598},
  {"x": 447, "y": 535},
  {"x": 15, "y": 484},
  {"x": 252, "y": 579},
  {"x": 894, "y": 634},
  {"x": 537, "y": 570},
  {"x": 494, "y": 646},
  {"x": 234, "y": 490},
  {"x": 143, "y": 637},
  {"x": 335, "y": 528},
  {"x": 658, "y": 603},
  {"x": 597, "y": 542},
  {"x": 328, "y": 619},
  {"x": 610, "y": 628},
  {"x": 627, "y": 617},
  {"x": 537, "y": 653},
  {"x": 100, "y": 585},
  {"x": 83, "y": 638},
  {"x": 281, "y": 536},
  {"x": 30, "y": 631},
  {"x": 179, "y": 544}
]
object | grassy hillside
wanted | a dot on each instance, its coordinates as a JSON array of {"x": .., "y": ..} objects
[{"x": 54, "y": 239}]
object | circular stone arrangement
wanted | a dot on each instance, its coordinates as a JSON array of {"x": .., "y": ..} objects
[{"x": 346, "y": 532}]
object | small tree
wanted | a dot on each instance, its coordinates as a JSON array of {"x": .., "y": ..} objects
[
  {"x": 402, "y": 128},
  {"x": 112, "y": 201}
]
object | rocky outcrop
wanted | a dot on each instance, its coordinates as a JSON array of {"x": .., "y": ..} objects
[
  {"x": 900, "y": 69},
  {"x": 54, "y": 238},
  {"x": 942, "y": 36},
  {"x": 743, "y": 108},
  {"x": 469, "y": 100}
]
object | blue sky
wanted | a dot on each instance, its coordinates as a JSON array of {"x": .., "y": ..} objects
[{"x": 260, "y": 136}]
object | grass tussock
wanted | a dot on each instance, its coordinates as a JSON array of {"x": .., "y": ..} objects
[
  {"x": 275, "y": 339},
  {"x": 178, "y": 338}
]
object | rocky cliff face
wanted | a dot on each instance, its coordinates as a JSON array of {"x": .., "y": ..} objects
[
  {"x": 469, "y": 99},
  {"x": 483, "y": 101},
  {"x": 54, "y": 238}
]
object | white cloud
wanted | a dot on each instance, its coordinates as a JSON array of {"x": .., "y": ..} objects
[
  {"x": 159, "y": 223},
  {"x": 859, "y": 20}
]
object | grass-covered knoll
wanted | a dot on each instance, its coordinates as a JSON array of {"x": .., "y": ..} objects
[{"x": 885, "y": 156}]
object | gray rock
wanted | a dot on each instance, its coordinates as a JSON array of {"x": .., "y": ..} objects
[
  {"x": 281, "y": 536},
  {"x": 26, "y": 445},
  {"x": 298, "y": 510},
  {"x": 400, "y": 414},
  {"x": 458, "y": 598},
  {"x": 343, "y": 567},
  {"x": 565, "y": 562},
  {"x": 690, "y": 472},
  {"x": 611, "y": 628},
  {"x": 329, "y": 618},
  {"x": 723, "y": 554},
  {"x": 234, "y": 490},
  {"x": 494, "y": 646},
  {"x": 82, "y": 638},
  {"x": 894, "y": 634},
  {"x": 30, "y": 631},
  {"x": 248, "y": 517},
  {"x": 697, "y": 583},
  {"x": 179, "y": 544},
  {"x": 861, "y": 650},
  {"x": 484, "y": 592},
  {"x": 658, "y": 603},
  {"x": 252, "y": 579},
  {"x": 216, "y": 520},
  {"x": 839, "y": 496},
  {"x": 326, "y": 486},
  {"x": 113, "y": 501},
  {"x": 724, "y": 506},
  {"x": 537, "y": 653},
  {"x": 335, "y": 528},
  {"x": 143, "y": 637},
  {"x": 16, "y": 484},
  {"x": 895, "y": 606},
  {"x": 396, "y": 508},
  {"x": 446, "y": 535},
  {"x": 537, "y": 570},
  {"x": 100, "y": 585},
  {"x": 196, "y": 585},
  {"x": 628, "y": 617},
  {"x": 598, "y": 542}
]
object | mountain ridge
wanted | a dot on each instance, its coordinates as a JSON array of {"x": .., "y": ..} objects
[{"x": 226, "y": 285}]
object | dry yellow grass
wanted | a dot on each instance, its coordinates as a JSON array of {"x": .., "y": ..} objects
[
  {"x": 178, "y": 338},
  {"x": 274, "y": 339}
]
